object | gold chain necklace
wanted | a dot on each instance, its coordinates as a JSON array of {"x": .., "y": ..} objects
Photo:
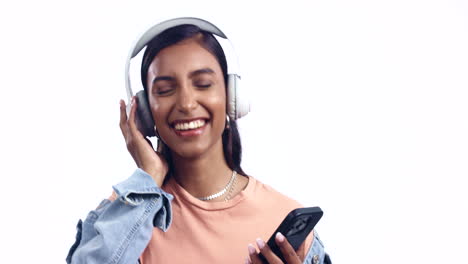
[
  {"x": 233, "y": 187},
  {"x": 223, "y": 191}
]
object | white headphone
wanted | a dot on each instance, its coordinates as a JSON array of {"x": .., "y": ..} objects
[{"x": 237, "y": 106}]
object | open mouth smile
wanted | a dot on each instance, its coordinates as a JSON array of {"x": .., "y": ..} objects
[{"x": 187, "y": 128}]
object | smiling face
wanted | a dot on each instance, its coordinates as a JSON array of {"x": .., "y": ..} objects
[{"x": 187, "y": 96}]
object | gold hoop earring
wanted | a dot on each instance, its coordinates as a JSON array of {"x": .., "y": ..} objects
[
  {"x": 160, "y": 146},
  {"x": 156, "y": 132},
  {"x": 228, "y": 121}
]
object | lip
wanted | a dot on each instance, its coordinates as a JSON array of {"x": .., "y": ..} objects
[{"x": 191, "y": 132}]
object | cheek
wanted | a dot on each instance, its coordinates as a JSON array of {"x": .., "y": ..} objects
[
  {"x": 219, "y": 121},
  {"x": 218, "y": 105},
  {"x": 159, "y": 112}
]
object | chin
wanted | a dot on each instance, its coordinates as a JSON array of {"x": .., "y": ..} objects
[
  {"x": 196, "y": 149},
  {"x": 190, "y": 151}
]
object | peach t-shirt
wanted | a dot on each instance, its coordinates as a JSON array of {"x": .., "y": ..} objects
[{"x": 218, "y": 232}]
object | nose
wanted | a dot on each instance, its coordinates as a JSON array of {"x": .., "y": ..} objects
[{"x": 186, "y": 100}]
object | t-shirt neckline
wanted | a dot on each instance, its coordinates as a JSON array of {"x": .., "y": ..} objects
[{"x": 179, "y": 192}]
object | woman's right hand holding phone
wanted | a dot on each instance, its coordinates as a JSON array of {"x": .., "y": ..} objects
[{"x": 146, "y": 158}]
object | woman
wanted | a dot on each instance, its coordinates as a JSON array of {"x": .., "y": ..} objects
[{"x": 207, "y": 209}]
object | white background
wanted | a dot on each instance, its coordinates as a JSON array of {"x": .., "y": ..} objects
[{"x": 359, "y": 107}]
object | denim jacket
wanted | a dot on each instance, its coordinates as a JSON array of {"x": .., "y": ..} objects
[{"x": 119, "y": 231}]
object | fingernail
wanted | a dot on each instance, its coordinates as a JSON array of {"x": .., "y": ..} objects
[
  {"x": 251, "y": 249},
  {"x": 279, "y": 237},
  {"x": 247, "y": 261},
  {"x": 260, "y": 243}
]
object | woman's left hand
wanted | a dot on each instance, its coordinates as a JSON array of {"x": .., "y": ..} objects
[{"x": 291, "y": 256}]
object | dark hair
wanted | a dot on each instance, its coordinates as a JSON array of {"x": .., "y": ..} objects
[{"x": 231, "y": 140}]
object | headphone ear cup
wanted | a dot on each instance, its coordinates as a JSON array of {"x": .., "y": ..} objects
[
  {"x": 144, "y": 118},
  {"x": 237, "y": 105}
]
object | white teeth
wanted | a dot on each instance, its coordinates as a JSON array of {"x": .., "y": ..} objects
[{"x": 190, "y": 125}]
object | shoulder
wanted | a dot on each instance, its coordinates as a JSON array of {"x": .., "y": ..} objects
[{"x": 269, "y": 196}]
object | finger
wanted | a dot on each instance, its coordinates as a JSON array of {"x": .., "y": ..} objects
[
  {"x": 133, "y": 129},
  {"x": 289, "y": 254},
  {"x": 123, "y": 113},
  {"x": 123, "y": 118},
  {"x": 253, "y": 256},
  {"x": 267, "y": 253},
  {"x": 131, "y": 118}
]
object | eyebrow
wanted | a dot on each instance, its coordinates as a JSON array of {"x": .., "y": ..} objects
[
  {"x": 201, "y": 71},
  {"x": 191, "y": 74},
  {"x": 162, "y": 78}
]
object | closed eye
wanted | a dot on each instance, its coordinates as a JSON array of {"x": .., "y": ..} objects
[
  {"x": 163, "y": 85},
  {"x": 203, "y": 85},
  {"x": 163, "y": 90}
]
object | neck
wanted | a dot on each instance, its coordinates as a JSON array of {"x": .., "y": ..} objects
[{"x": 204, "y": 175}]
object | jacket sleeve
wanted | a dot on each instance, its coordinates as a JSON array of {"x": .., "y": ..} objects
[
  {"x": 118, "y": 231},
  {"x": 316, "y": 253}
]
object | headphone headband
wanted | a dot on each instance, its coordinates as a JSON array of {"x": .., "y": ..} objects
[{"x": 157, "y": 29}]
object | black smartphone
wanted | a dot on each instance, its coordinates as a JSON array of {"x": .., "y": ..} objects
[{"x": 295, "y": 227}]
